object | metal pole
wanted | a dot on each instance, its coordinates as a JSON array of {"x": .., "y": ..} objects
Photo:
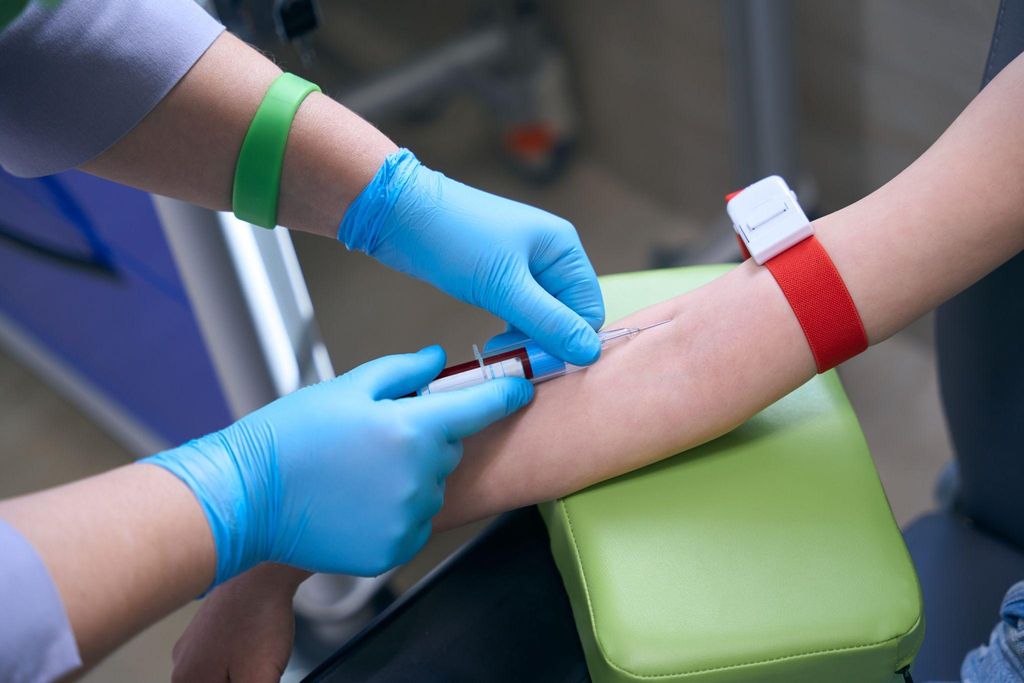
[{"x": 762, "y": 87}]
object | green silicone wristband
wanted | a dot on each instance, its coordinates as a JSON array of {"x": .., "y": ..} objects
[{"x": 258, "y": 171}]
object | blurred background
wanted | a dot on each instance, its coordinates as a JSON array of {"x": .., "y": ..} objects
[{"x": 631, "y": 120}]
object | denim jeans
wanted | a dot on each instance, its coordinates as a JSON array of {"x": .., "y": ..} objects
[{"x": 1002, "y": 660}]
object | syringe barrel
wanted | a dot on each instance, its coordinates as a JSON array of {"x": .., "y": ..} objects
[
  {"x": 543, "y": 366},
  {"x": 526, "y": 360}
]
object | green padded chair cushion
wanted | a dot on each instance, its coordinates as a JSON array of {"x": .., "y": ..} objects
[{"x": 768, "y": 555}]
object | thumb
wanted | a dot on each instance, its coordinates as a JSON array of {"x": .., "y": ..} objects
[
  {"x": 510, "y": 337},
  {"x": 466, "y": 411},
  {"x": 398, "y": 375},
  {"x": 557, "y": 328}
]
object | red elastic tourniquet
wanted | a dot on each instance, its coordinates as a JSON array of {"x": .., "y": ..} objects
[{"x": 821, "y": 302}]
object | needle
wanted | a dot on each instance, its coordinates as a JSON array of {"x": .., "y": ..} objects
[
  {"x": 662, "y": 322},
  {"x": 614, "y": 336}
]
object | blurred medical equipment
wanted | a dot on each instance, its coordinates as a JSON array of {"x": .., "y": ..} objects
[
  {"x": 525, "y": 359},
  {"x": 507, "y": 60},
  {"x": 764, "y": 115}
]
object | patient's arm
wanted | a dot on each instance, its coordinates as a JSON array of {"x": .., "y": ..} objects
[{"x": 735, "y": 346}]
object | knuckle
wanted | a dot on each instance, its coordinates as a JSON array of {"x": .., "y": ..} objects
[
  {"x": 438, "y": 501},
  {"x": 456, "y": 450},
  {"x": 565, "y": 228},
  {"x": 510, "y": 400},
  {"x": 496, "y": 271},
  {"x": 387, "y": 556},
  {"x": 397, "y": 551},
  {"x": 407, "y": 496},
  {"x": 398, "y": 531},
  {"x": 411, "y": 545},
  {"x": 511, "y": 397},
  {"x": 558, "y": 319},
  {"x": 404, "y": 436}
]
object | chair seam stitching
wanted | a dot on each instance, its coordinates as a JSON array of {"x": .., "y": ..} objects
[{"x": 597, "y": 638}]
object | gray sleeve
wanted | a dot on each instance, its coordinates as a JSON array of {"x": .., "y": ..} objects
[
  {"x": 75, "y": 78},
  {"x": 36, "y": 642}
]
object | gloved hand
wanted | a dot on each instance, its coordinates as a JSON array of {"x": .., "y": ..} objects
[
  {"x": 522, "y": 264},
  {"x": 337, "y": 477}
]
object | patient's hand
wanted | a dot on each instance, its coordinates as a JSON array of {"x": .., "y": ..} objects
[{"x": 243, "y": 631}]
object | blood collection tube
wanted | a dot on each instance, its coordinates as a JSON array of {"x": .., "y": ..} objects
[{"x": 525, "y": 359}]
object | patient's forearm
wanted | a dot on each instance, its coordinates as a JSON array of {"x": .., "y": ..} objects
[{"x": 735, "y": 346}]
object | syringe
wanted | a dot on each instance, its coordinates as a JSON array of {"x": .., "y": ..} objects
[{"x": 524, "y": 359}]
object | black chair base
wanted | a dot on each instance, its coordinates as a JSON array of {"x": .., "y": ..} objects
[
  {"x": 494, "y": 611},
  {"x": 964, "y": 574}
]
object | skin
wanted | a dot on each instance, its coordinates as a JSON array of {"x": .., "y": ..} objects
[
  {"x": 263, "y": 617},
  {"x": 330, "y": 156},
  {"x": 124, "y": 548},
  {"x": 926, "y": 235},
  {"x": 128, "y": 546},
  {"x": 950, "y": 218}
]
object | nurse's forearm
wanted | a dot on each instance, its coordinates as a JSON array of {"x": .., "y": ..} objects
[
  {"x": 188, "y": 145},
  {"x": 735, "y": 346},
  {"x": 124, "y": 548}
]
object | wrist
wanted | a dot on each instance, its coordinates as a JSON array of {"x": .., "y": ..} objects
[
  {"x": 270, "y": 577},
  {"x": 330, "y": 157},
  {"x": 366, "y": 219},
  {"x": 237, "y": 508}
]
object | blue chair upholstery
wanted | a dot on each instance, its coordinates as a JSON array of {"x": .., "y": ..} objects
[
  {"x": 964, "y": 573},
  {"x": 968, "y": 556}
]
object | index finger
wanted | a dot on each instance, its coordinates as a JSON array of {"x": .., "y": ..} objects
[{"x": 463, "y": 412}]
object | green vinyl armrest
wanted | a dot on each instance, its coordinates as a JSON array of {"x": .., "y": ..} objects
[{"x": 768, "y": 555}]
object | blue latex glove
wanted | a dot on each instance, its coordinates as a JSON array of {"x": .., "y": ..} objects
[
  {"x": 338, "y": 477},
  {"x": 522, "y": 264}
]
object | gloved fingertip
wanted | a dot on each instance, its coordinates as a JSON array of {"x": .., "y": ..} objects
[
  {"x": 584, "y": 346},
  {"x": 504, "y": 339},
  {"x": 434, "y": 351},
  {"x": 515, "y": 391},
  {"x": 524, "y": 393}
]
